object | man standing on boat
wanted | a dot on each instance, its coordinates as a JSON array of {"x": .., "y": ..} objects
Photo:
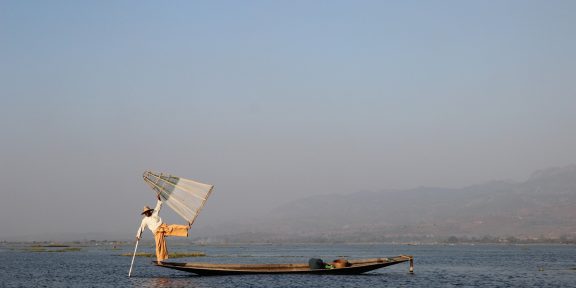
[{"x": 160, "y": 230}]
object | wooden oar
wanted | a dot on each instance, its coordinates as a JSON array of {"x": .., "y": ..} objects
[{"x": 133, "y": 256}]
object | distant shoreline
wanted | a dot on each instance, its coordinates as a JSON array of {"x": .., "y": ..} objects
[{"x": 448, "y": 241}]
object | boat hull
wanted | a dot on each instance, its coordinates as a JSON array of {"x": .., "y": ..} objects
[{"x": 356, "y": 267}]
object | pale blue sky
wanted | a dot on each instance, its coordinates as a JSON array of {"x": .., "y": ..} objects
[{"x": 273, "y": 101}]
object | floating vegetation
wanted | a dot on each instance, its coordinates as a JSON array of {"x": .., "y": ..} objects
[
  {"x": 70, "y": 249},
  {"x": 52, "y": 246},
  {"x": 43, "y": 249},
  {"x": 170, "y": 255},
  {"x": 35, "y": 249}
]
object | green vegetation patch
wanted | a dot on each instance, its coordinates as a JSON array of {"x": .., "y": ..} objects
[
  {"x": 51, "y": 246},
  {"x": 43, "y": 249},
  {"x": 170, "y": 255}
]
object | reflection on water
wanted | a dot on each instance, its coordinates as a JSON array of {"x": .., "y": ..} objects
[
  {"x": 435, "y": 266},
  {"x": 181, "y": 281}
]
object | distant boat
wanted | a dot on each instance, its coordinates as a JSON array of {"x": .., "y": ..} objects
[{"x": 354, "y": 267}]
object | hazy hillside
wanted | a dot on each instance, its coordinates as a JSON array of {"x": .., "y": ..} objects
[{"x": 543, "y": 205}]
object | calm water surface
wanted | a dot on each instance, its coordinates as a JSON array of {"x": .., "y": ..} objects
[{"x": 435, "y": 266}]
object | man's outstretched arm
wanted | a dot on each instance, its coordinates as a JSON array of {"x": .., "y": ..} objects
[{"x": 158, "y": 204}]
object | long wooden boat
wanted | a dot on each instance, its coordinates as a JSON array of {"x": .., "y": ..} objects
[{"x": 354, "y": 267}]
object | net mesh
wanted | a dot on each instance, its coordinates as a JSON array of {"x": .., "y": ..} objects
[{"x": 185, "y": 197}]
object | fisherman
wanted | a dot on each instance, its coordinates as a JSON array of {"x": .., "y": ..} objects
[{"x": 160, "y": 229}]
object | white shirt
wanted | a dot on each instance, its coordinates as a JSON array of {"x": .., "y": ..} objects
[{"x": 153, "y": 222}]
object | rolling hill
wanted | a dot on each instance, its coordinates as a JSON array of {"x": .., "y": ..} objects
[{"x": 543, "y": 206}]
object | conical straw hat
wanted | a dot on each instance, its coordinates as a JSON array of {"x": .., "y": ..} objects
[{"x": 146, "y": 209}]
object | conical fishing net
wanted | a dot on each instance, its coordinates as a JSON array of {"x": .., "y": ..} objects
[{"x": 185, "y": 197}]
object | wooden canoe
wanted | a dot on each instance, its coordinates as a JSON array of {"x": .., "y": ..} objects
[{"x": 356, "y": 267}]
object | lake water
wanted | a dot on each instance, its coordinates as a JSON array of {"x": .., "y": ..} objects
[{"x": 435, "y": 266}]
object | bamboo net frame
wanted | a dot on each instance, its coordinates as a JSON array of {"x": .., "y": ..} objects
[{"x": 186, "y": 197}]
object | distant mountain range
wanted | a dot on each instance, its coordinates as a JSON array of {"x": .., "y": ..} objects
[{"x": 544, "y": 206}]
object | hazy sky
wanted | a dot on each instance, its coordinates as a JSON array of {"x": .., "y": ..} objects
[{"x": 272, "y": 101}]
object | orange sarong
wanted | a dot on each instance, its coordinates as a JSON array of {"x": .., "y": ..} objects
[{"x": 167, "y": 230}]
